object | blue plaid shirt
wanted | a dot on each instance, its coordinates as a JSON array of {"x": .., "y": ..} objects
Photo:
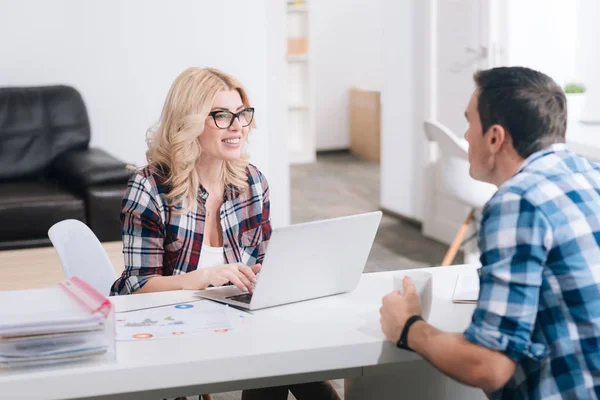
[{"x": 539, "y": 301}]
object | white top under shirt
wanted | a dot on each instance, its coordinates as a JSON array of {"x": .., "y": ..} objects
[{"x": 211, "y": 257}]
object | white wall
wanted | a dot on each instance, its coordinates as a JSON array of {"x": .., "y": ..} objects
[
  {"x": 403, "y": 106},
  {"x": 559, "y": 38},
  {"x": 279, "y": 173},
  {"x": 347, "y": 52},
  {"x": 123, "y": 55},
  {"x": 542, "y": 34},
  {"x": 530, "y": 38},
  {"x": 588, "y": 55}
]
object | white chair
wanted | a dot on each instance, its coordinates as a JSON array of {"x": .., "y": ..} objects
[
  {"x": 81, "y": 254},
  {"x": 455, "y": 179}
]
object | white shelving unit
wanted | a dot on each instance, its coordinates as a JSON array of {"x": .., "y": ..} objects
[
  {"x": 301, "y": 130},
  {"x": 299, "y": 8},
  {"x": 297, "y": 58}
]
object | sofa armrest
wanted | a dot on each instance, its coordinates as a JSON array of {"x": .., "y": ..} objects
[
  {"x": 103, "y": 205},
  {"x": 86, "y": 167}
]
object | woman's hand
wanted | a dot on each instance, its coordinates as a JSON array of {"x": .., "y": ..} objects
[{"x": 242, "y": 276}]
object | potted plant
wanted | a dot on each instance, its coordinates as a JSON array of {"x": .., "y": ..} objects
[{"x": 575, "y": 93}]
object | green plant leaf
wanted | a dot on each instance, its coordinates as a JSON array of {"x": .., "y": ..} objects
[{"x": 574, "y": 88}]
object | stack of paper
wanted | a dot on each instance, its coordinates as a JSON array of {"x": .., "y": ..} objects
[
  {"x": 66, "y": 322},
  {"x": 467, "y": 288}
]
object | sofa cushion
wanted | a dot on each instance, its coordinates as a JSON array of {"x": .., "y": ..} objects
[
  {"x": 37, "y": 124},
  {"x": 28, "y": 209}
]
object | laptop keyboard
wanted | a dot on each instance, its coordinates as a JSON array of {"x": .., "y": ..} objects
[{"x": 242, "y": 298}]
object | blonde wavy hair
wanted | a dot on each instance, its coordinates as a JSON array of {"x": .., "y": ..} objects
[{"x": 173, "y": 142}]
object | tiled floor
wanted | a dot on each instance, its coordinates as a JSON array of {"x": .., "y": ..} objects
[{"x": 340, "y": 184}]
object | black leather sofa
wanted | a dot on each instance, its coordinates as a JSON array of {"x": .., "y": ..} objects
[{"x": 48, "y": 173}]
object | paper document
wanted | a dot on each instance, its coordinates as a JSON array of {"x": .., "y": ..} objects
[
  {"x": 151, "y": 300},
  {"x": 47, "y": 310},
  {"x": 49, "y": 345},
  {"x": 51, "y": 359},
  {"x": 180, "y": 320},
  {"x": 467, "y": 288},
  {"x": 65, "y": 322}
]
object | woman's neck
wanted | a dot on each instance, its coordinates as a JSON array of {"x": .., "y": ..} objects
[{"x": 210, "y": 172}]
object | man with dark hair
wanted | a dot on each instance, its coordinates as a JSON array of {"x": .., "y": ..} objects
[{"x": 535, "y": 333}]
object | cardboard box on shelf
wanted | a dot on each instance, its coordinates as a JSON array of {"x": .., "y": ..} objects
[
  {"x": 297, "y": 46},
  {"x": 365, "y": 123}
]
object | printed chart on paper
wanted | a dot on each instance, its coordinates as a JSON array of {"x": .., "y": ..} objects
[{"x": 186, "y": 319}]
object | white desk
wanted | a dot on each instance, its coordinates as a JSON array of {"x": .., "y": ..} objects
[{"x": 329, "y": 338}]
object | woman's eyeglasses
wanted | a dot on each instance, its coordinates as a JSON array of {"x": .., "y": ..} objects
[{"x": 224, "y": 119}]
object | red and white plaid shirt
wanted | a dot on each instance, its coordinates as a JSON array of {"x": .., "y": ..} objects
[{"x": 157, "y": 241}]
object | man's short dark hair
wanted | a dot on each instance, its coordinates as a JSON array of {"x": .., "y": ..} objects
[{"x": 527, "y": 103}]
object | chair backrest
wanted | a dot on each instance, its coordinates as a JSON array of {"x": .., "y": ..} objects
[
  {"x": 81, "y": 254},
  {"x": 453, "y": 170},
  {"x": 450, "y": 144}
]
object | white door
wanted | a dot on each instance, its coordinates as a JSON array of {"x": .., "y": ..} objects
[{"x": 463, "y": 36}]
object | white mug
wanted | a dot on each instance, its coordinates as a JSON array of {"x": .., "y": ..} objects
[{"x": 423, "y": 282}]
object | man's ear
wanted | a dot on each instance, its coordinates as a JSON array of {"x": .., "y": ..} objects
[{"x": 495, "y": 138}]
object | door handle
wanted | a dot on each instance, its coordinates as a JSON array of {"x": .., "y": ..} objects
[
  {"x": 478, "y": 55},
  {"x": 482, "y": 52}
]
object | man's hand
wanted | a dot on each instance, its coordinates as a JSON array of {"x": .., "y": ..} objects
[
  {"x": 397, "y": 308},
  {"x": 480, "y": 367}
]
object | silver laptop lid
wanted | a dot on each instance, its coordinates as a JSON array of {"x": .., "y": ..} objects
[{"x": 315, "y": 259}]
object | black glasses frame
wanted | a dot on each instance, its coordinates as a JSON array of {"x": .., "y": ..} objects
[{"x": 233, "y": 117}]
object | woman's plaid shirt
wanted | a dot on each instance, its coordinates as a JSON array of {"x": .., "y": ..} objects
[{"x": 158, "y": 241}]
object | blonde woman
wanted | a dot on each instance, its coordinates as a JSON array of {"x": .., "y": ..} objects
[{"x": 198, "y": 213}]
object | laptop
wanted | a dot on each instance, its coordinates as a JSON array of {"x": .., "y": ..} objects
[{"x": 307, "y": 261}]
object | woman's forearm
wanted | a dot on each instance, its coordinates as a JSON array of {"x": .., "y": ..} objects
[
  {"x": 176, "y": 282},
  {"x": 161, "y": 284}
]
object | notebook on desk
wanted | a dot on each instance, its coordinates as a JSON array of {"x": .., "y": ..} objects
[{"x": 466, "y": 290}]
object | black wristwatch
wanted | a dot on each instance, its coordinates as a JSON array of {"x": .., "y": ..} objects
[{"x": 403, "y": 341}]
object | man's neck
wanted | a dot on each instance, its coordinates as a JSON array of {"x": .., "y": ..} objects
[{"x": 506, "y": 168}]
